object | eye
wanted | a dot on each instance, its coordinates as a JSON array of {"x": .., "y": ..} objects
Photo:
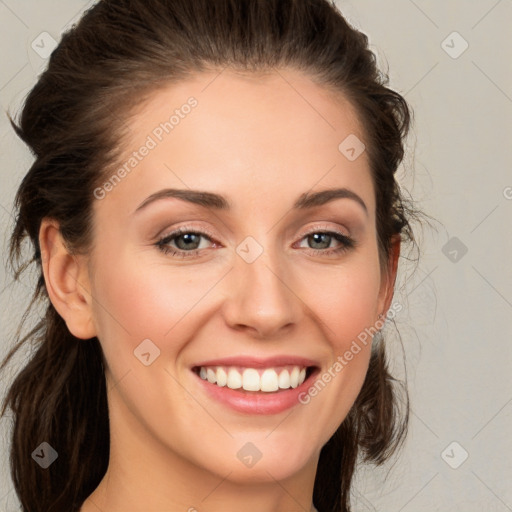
[
  {"x": 183, "y": 242},
  {"x": 320, "y": 242}
]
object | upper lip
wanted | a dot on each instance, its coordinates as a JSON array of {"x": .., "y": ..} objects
[{"x": 259, "y": 362}]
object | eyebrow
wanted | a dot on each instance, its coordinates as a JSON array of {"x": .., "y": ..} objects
[{"x": 218, "y": 202}]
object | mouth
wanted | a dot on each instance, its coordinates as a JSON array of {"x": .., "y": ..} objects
[
  {"x": 258, "y": 380},
  {"x": 256, "y": 386}
]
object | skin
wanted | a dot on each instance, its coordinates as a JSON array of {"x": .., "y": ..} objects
[{"x": 261, "y": 142}]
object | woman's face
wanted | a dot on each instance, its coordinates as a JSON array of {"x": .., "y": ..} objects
[{"x": 261, "y": 280}]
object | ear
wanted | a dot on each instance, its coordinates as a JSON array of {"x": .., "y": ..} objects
[
  {"x": 67, "y": 281},
  {"x": 388, "y": 279}
]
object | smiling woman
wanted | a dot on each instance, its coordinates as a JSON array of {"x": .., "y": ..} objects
[{"x": 210, "y": 337}]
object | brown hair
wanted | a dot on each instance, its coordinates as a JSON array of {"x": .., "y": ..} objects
[{"x": 118, "y": 54}]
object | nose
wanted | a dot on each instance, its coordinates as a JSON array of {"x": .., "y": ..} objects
[{"x": 261, "y": 298}]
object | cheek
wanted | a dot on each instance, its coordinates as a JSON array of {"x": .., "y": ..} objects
[
  {"x": 138, "y": 298},
  {"x": 346, "y": 300},
  {"x": 346, "y": 312}
]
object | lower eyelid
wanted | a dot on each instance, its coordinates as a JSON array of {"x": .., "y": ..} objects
[{"x": 163, "y": 243}]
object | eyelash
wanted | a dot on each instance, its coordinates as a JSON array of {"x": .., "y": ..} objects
[{"x": 347, "y": 243}]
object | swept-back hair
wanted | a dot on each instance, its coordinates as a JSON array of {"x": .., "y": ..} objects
[{"x": 119, "y": 53}]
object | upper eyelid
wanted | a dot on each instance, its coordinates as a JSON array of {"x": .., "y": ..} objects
[
  {"x": 212, "y": 238},
  {"x": 324, "y": 228}
]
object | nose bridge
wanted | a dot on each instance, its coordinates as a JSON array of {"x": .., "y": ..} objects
[{"x": 262, "y": 298}]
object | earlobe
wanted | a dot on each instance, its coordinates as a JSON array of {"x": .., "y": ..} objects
[{"x": 66, "y": 280}]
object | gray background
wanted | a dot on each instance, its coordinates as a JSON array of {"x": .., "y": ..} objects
[{"x": 456, "y": 324}]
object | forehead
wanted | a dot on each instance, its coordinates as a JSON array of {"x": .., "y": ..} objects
[
  {"x": 264, "y": 102},
  {"x": 243, "y": 133}
]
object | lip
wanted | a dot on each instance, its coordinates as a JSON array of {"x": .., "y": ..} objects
[
  {"x": 257, "y": 402},
  {"x": 259, "y": 362}
]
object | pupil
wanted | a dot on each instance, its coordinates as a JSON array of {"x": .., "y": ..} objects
[
  {"x": 317, "y": 239},
  {"x": 189, "y": 238}
]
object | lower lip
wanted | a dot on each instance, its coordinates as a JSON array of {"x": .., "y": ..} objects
[{"x": 251, "y": 402}]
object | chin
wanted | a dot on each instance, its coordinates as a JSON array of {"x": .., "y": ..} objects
[{"x": 265, "y": 461}]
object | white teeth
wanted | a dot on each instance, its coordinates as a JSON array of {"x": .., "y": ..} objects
[
  {"x": 222, "y": 377},
  {"x": 269, "y": 381},
  {"x": 294, "y": 377},
  {"x": 284, "y": 379},
  {"x": 251, "y": 379},
  {"x": 211, "y": 376},
  {"x": 234, "y": 379}
]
